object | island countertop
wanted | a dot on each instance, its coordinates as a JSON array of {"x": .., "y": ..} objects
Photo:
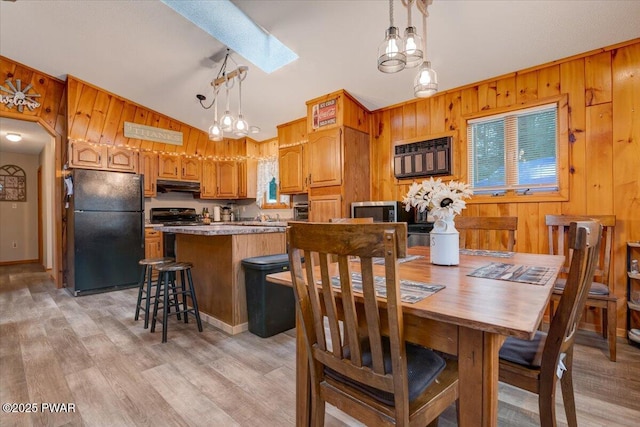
[{"x": 222, "y": 229}]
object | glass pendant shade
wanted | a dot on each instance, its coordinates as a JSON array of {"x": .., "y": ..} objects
[
  {"x": 241, "y": 127},
  {"x": 391, "y": 57},
  {"x": 412, "y": 47},
  {"x": 426, "y": 82},
  {"x": 215, "y": 132},
  {"x": 226, "y": 121}
]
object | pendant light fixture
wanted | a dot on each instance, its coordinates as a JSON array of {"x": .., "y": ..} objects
[
  {"x": 395, "y": 54},
  {"x": 241, "y": 127},
  {"x": 425, "y": 83},
  {"x": 228, "y": 123},
  {"x": 215, "y": 131},
  {"x": 391, "y": 57},
  {"x": 412, "y": 41}
]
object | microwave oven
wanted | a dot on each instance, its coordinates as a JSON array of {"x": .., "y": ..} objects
[{"x": 383, "y": 211}]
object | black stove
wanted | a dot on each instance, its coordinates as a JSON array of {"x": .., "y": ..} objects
[{"x": 174, "y": 216}]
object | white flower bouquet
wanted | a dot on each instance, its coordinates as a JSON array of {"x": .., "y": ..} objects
[{"x": 443, "y": 200}]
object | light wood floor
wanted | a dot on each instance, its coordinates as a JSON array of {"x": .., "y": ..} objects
[{"x": 89, "y": 351}]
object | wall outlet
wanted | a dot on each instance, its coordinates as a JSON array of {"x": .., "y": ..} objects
[
  {"x": 14, "y": 205},
  {"x": 14, "y": 245}
]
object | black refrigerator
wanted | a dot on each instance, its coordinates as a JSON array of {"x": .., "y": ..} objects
[{"x": 105, "y": 231}]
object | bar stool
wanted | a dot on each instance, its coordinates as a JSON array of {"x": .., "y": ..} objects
[
  {"x": 167, "y": 282},
  {"x": 145, "y": 292}
]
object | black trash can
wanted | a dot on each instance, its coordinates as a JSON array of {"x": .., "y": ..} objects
[{"x": 271, "y": 308}]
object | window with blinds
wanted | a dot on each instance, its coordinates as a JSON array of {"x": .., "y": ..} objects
[{"x": 515, "y": 151}]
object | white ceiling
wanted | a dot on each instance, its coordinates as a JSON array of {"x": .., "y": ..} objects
[{"x": 146, "y": 52}]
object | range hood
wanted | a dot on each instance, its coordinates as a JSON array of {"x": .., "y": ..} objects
[{"x": 166, "y": 186}]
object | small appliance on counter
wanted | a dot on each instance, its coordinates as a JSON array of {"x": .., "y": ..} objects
[
  {"x": 381, "y": 211},
  {"x": 301, "y": 211}
]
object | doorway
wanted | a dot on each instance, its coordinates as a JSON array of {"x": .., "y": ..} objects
[{"x": 38, "y": 147}]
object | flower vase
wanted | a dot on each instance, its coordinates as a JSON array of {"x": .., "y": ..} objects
[{"x": 444, "y": 241}]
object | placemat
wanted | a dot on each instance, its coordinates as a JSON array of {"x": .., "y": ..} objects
[
  {"x": 482, "y": 252},
  {"x": 410, "y": 291},
  {"x": 515, "y": 273}
]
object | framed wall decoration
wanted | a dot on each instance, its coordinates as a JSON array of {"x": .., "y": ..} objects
[{"x": 13, "y": 184}]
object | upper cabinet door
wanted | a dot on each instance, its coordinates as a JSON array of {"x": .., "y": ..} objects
[
  {"x": 168, "y": 166},
  {"x": 209, "y": 181},
  {"x": 121, "y": 160},
  {"x": 190, "y": 169},
  {"x": 291, "y": 165},
  {"x": 149, "y": 168},
  {"x": 325, "y": 158},
  {"x": 85, "y": 155},
  {"x": 227, "y": 179}
]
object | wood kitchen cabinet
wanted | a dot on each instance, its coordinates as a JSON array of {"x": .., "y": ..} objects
[
  {"x": 338, "y": 155},
  {"x": 179, "y": 167},
  {"x": 209, "y": 181},
  {"x": 227, "y": 176},
  {"x": 153, "y": 243},
  {"x": 323, "y": 208},
  {"x": 103, "y": 157},
  {"x": 148, "y": 166},
  {"x": 235, "y": 178},
  {"x": 292, "y": 157},
  {"x": 224, "y": 180}
]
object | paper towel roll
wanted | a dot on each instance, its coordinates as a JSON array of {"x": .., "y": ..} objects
[{"x": 216, "y": 213}]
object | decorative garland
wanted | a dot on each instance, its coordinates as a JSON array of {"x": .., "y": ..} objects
[{"x": 188, "y": 156}]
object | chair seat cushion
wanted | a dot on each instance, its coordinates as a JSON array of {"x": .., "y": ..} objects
[
  {"x": 596, "y": 288},
  {"x": 524, "y": 352},
  {"x": 423, "y": 367}
]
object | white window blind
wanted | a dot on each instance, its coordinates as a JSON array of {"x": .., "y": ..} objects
[{"x": 514, "y": 151}]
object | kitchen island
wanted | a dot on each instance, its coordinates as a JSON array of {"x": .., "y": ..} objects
[{"x": 216, "y": 252}]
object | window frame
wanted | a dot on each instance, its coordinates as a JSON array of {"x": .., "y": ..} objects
[{"x": 562, "y": 154}]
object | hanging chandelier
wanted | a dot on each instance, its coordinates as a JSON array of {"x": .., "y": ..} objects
[
  {"x": 228, "y": 124},
  {"x": 396, "y": 53}
]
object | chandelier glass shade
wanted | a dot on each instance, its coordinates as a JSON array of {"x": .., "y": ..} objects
[
  {"x": 412, "y": 47},
  {"x": 426, "y": 82},
  {"x": 391, "y": 58}
]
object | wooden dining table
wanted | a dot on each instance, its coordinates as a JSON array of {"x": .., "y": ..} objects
[{"x": 470, "y": 318}]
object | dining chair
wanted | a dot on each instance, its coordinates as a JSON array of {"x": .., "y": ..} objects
[
  {"x": 600, "y": 294},
  {"x": 536, "y": 365},
  {"x": 487, "y": 232},
  {"x": 358, "y": 358}
]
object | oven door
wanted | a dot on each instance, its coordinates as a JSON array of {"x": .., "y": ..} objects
[{"x": 169, "y": 244}]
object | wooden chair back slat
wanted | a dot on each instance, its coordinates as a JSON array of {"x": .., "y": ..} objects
[
  {"x": 558, "y": 229},
  {"x": 492, "y": 232}
]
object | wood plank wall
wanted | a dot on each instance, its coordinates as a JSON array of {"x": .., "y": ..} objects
[
  {"x": 97, "y": 116},
  {"x": 51, "y": 115},
  {"x": 603, "y": 88}
]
